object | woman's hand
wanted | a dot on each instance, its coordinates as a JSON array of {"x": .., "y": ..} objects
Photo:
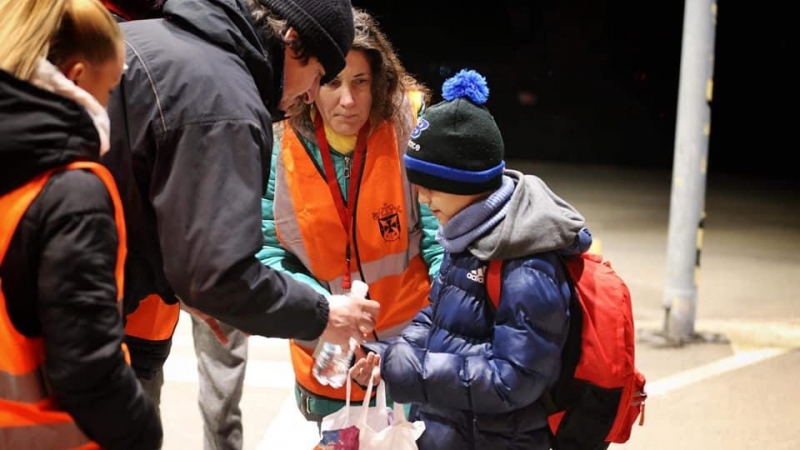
[{"x": 366, "y": 366}]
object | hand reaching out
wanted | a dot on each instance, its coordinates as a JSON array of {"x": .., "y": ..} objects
[
  {"x": 366, "y": 366},
  {"x": 349, "y": 317}
]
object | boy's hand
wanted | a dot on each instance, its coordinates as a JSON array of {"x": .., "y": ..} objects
[{"x": 369, "y": 365}]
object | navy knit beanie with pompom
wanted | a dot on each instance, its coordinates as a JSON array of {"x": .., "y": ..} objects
[{"x": 457, "y": 147}]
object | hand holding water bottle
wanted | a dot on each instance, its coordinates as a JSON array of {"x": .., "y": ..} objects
[{"x": 350, "y": 318}]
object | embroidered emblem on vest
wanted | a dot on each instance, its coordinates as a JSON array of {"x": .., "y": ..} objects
[{"x": 388, "y": 221}]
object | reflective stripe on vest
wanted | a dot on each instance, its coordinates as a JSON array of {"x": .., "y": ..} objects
[
  {"x": 27, "y": 387},
  {"x": 386, "y": 229},
  {"x": 55, "y": 435},
  {"x": 29, "y": 416}
]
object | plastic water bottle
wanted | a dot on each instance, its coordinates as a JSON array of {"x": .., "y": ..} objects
[{"x": 331, "y": 361}]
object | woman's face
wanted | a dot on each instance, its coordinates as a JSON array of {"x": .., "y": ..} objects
[
  {"x": 97, "y": 79},
  {"x": 345, "y": 102}
]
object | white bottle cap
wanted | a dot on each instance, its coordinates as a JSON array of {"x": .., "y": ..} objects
[{"x": 359, "y": 289}]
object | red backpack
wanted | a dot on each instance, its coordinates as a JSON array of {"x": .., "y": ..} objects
[{"x": 600, "y": 393}]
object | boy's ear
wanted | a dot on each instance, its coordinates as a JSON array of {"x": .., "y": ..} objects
[{"x": 74, "y": 72}]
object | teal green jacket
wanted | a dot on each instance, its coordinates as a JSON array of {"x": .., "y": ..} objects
[{"x": 277, "y": 257}]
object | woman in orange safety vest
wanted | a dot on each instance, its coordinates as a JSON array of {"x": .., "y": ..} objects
[{"x": 338, "y": 205}]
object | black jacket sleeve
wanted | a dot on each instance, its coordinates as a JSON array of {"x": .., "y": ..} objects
[
  {"x": 80, "y": 316},
  {"x": 206, "y": 190}
]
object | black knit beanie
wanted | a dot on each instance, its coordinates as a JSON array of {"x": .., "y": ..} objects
[
  {"x": 457, "y": 147},
  {"x": 325, "y": 27}
]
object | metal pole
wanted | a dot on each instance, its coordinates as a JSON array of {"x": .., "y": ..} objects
[{"x": 687, "y": 201}]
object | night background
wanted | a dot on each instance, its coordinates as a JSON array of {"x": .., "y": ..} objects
[{"x": 596, "y": 82}]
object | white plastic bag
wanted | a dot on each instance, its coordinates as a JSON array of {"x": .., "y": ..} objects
[
  {"x": 377, "y": 417},
  {"x": 400, "y": 434},
  {"x": 378, "y": 427}
]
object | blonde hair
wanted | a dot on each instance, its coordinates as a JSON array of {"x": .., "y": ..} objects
[{"x": 59, "y": 30}]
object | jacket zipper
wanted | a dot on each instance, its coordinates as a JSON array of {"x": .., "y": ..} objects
[{"x": 348, "y": 163}]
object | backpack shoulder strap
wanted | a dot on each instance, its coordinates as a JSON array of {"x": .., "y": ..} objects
[{"x": 494, "y": 276}]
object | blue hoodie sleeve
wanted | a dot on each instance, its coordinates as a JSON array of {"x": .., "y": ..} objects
[
  {"x": 415, "y": 334},
  {"x": 523, "y": 359}
]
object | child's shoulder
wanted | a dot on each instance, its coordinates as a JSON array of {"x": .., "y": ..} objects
[{"x": 531, "y": 266}]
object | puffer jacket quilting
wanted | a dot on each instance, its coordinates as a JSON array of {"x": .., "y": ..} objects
[{"x": 468, "y": 359}]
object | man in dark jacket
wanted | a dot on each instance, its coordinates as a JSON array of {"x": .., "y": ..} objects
[{"x": 192, "y": 138}]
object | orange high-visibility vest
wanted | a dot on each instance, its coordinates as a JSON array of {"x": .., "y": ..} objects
[
  {"x": 386, "y": 234},
  {"x": 30, "y": 418},
  {"x": 151, "y": 326},
  {"x": 153, "y": 320}
]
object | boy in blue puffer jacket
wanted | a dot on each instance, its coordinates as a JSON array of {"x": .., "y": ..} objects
[{"x": 475, "y": 374}]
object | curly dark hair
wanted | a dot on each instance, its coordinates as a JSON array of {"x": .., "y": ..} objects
[{"x": 390, "y": 80}]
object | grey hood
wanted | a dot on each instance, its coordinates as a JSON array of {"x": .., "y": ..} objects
[{"x": 537, "y": 220}]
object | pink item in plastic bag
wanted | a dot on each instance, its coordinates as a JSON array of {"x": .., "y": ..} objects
[{"x": 344, "y": 439}]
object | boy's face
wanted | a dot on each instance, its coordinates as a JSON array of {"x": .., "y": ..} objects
[{"x": 444, "y": 205}]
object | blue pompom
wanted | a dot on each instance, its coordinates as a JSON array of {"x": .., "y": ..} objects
[{"x": 466, "y": 84}]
